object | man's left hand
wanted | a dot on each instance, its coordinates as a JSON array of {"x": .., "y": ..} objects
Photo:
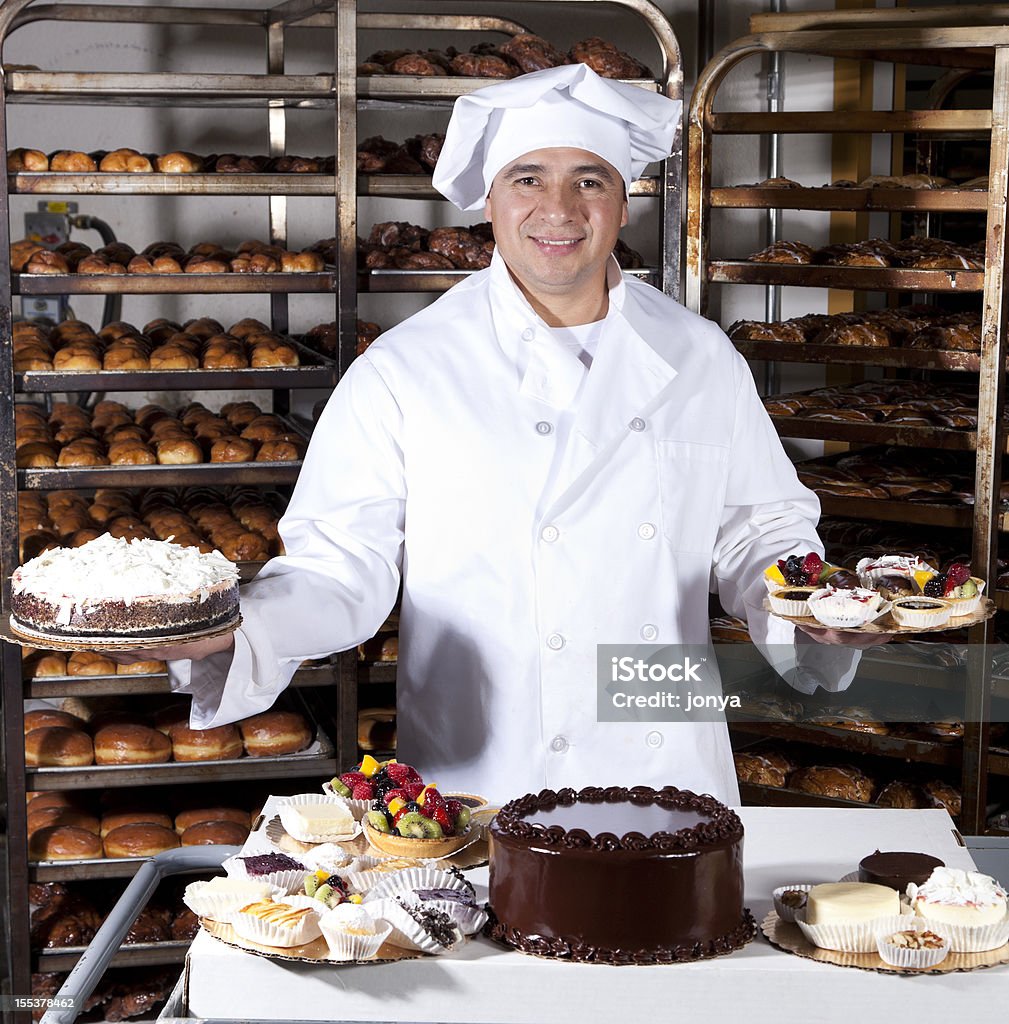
[{"x": 845, "y": 637}]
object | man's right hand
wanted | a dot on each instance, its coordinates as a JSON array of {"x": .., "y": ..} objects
[{"x": 195, "y": 650}]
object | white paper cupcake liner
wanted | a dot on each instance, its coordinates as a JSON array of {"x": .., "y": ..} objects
[
  {"x": 219, "y": 906},
  {"x": 784, "y": 912},
  {"x": 359, "y": 808},
  {"x": 267, "y": 933},
  {"x": 291, "y": 826},
  {"x": 411, "y": 879},
  {"x": 406, "y": 932},
  {"x": 469, "y": 918},
  {"x": 901, "y": 567},
  {"x": 853, "y": 936},
  {"x": 901, "y": 956},
  {"x": 345, "y": 946},
  {"x": 966, "y": 939},
  {"x": 786, "y": 606},
  {"x": 847, "y": 616},
  {"x": 291, "y": 881},
  {"x": 963, "y": 606},
  {"x": 918, "y": 618}
]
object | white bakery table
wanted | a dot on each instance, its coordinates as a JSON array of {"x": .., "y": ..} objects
[{"x": 486, "y": 983}]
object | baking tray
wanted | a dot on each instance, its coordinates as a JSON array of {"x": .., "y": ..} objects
[{"x": 789, "y": 938}]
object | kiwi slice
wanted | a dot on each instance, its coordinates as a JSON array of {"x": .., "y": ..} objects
[
  {"x": 462, "y": 820},
  {"x": 414, "y": 825},
  {"x": 378, "y": 821},
  {"x": 311, "y": 884},
  {"x": 324, "y": 892},
  {"x": 339, "y": 787}
]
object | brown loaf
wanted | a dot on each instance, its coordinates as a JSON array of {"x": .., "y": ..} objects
[
  {"x": 45, "y": 718},
  {"x": 139, "y": 840},
  {"x": 193, "y": 816},
  {"x": 275, "y": 732},
  {"x": 215, "y": 833},
  {"x": 64, "y": 842},
  {"x": 131, "y": 744},
  {"x": 757, "y": 770},
  {"x": 222, "y": 743},
  {"x": 116, "y": 819},
  {"x": 840, "y": 783},
  {"x": 51, "y": 817},
  {"x": 58, "y": 747},
  {"x": 90, "y": 663},
  {"x": 72, "y": 160},
  {"x": 27, "y": 160}
]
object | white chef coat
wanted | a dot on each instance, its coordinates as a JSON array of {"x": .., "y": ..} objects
[{"x": 437, "y": 459}]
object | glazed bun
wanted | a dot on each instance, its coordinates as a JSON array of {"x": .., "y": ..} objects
[
  {"x": 141, "y": 668},
  {"x": 47, "y": 663},
  {"x": 48, "y": 717},
  {"x": 178, "y": 163},
  {"x": 194, "y": 815},
  {"x": 115, "y": 819},
  {"x": 125, "y": 160},
  {"x": 90, "y": 663},
  {"x": 131, "y": 744},
  {"x": 72, "y": 160},
  {"x": 51, "y": 817},
  {"x": 215, "y": 833},
  {"x": 275, "y": 732},
  {"x": 178, "y": 452},
  {"x": 220, "y": 744},
  {"x": 64, "y": 842},
  {"x": 58, "y": 747},
  {"x": 139, "y": 840}
]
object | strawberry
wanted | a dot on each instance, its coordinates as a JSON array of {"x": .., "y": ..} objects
[
  {"x": 812, "y": 566},
  {"x": 440, "y": 814},
  {"x": 956, "y": 574},
  {"x": 432, "y": 800},
  {"x": 402, "y": 773},
  {"x": 362, "y": 791},
  {"x": 351, "y": 779},
  {"x": 453, "y": 807},
  {"x": 413, "y": 790},
  {"x": 395, "y": 794}
]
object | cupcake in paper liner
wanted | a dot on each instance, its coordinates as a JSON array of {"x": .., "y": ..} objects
[
  {"x": 292, "y": 921},
  {"x": 920, "y": 612},
  {"x": 916, "y": 947},
  {"x": 277, "y": 869},
  {"x": 417, "y": 927},
  {"x": 219, "y": 898},
  {"x": 352, "y": 933},
  {"x": 426, "y": 879},
  {"x": 846, "y": 609},
  {"x": 359, "y": 808},
  {"x": 791, "y": 601},
  {"x": 790, "y": 902},
  {"x": 967, "y": 907},
  {"x": 311, "y": 818},
  {"x": 853, "y": 936},
  {"x": 327, "y": 857}
]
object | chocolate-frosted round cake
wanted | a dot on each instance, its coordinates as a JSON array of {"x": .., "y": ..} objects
[
  {"x": 111, "y": 587},
  {"x": 618, "y": 876}
]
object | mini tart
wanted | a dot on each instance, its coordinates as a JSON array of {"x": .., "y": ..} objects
[
  {"x": 963, "y": 606},
  {"x": 790, "y": 901},
  {"x": 916, "y": 947},
  {"x": 845, "y": 609},
  {"x": 292, "y": 922},
  {"x": 422, "y": 849},
  {"x": 921, "y": 612},
  {"x": 791, "y": 601}
]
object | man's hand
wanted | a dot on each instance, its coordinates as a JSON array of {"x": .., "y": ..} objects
[
  {"x": 196, "y": 650},
  {"x": 845, "y": 637}
]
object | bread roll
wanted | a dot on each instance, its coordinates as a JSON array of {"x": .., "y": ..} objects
[
  {"x": 215, "y": 833},
  {"x": 27, "y": 160},
  {"x": 51, "y": 817},
  {"x": 46, "y": 663},
  {"x": 185, "y": 820},
  {"x": 125, "y": 160},
  {"x": 173, "y": 357},
  {"x": 301, "y": 263},
  {"x": 131, "y": 744},
  {"x": 58, "y": 747},
  {"x": 139, "y": 840},
  {"x": 245, "y": 547},
  {"x": 131, "y": 453},
  {"x": 222, "y": 743},
  {"x": 47, "y": 718},
  {"x": 232, "y": 449},
  {"x": 178, "y": 452},
  {"x": 36, "y": 455},
  {"x": 73, "y": 161},
  {"x": 64, "y": 842},
  {"x": 90, "y": 663},
  {"x": 178, "y": 162},
  {"x": 56, "y": 798},
  {"x": 206, "y": 265},
  {"x": 96, "y": 265},
  {"x": 137, "y": 816},
  {"x": 141, "y": 668},
  {"x": 275, "y": 732},
  {"x": 76, "y": 454},
  {"x": 278, "y": 451}
]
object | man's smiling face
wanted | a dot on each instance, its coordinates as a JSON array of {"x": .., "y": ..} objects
[{"x": 556, "y": 216}]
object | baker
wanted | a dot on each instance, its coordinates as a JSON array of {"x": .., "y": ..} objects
[{"x": 551, "y": 456}]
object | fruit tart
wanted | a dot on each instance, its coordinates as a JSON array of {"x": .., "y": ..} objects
[
  {"x": 429, "y": 825},
  {"x": 958, "y": 587}
]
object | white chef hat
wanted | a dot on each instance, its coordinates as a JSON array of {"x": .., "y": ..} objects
[{"x": 569, "y": 106}]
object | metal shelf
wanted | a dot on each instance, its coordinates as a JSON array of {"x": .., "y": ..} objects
[
  {"x": 829, "y": 198},
  {"x": 375, "y": 281},
  {"x": 378, "y": 672},
  {"x": 439, "y": 88},
  {"x": 417, "y": 186},
  {"x": 877, "y": 433},
  {"x": 891, "y": 510},
  {"x": 56, "y": 183},
  {"x": 922, "y": 751},
  {"x": 139, "y": 954},
  {"x": 773, "y": 796},
  {"x": 882, "y": 279},
  {"x": 85, "y": 870},
  {"x": 911, "y": 358},
  {"x": 171, "y": 284},
  {"x": 201, "y": 473}
]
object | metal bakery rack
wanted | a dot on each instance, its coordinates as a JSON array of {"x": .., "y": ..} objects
[
  {"x": 338, "y": 90},
  {"x": 965, "y": 39}
]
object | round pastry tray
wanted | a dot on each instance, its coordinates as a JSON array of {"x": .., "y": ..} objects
[
  {"x": 473, "y": 855},
  {"x": 25, "y": 637},
  {"x": 789, "y": 938},
  {"x": 886, "y": 624},
  {"x": 316, "y": 951}
]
